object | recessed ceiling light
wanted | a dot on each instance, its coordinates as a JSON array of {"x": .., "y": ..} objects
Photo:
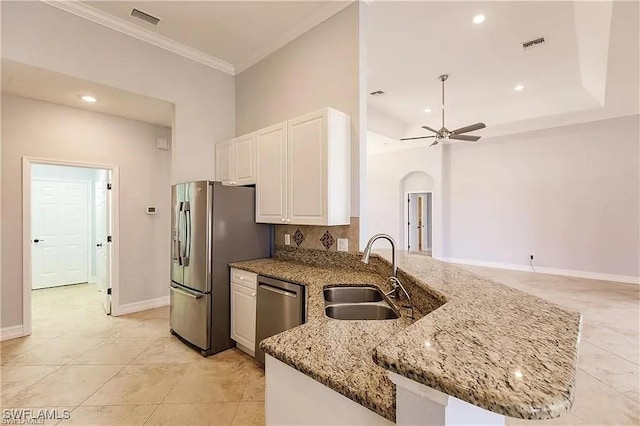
[
  {"x": 518, "y": 88},
  {"x": 427, "y": 110},
  {"x": 478, "y": 19},
  {"x": 88, "y": 98}
]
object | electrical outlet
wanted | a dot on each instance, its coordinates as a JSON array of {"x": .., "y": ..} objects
[
  {"x": 287, "y": 239},
  {"x": 530, "y": 257},
  {"x": 343, "y": 244}
]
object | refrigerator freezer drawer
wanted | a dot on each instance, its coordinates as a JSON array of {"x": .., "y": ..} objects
[{"x": 189, "y": 313}]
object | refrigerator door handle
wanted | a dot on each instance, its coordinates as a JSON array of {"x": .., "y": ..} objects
[
  {"x": 176, "y": 246},
  {"x": 187, "y": 227},
  {"x": 188, "y": 293}
]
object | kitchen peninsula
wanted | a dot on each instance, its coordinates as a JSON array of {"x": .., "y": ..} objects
[{"x": 484, "y": 344}]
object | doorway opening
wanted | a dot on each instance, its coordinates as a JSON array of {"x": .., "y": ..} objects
[
  {"x": 419, "y": 213},
  {"x": 68, "y": 229}
]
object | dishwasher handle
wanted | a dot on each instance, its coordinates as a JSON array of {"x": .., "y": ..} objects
[{"x": 278, "y": 290}]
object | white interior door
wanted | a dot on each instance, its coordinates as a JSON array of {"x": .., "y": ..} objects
[
  {"x": 101, "y": 231},
  {"x": 60, "y": 233}
]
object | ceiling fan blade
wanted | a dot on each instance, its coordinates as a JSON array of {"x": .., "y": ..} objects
[
  {"x": 467, "y": 129},
  {"x": 436, "y": 142},
  {"x": 430, "y": 129},
  {"x": 419, "y": 137},
  {"x": 468, "y": 138}
]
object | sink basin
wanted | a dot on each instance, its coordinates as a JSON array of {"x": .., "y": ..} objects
[
  {"x": 361, "y": 311},
  {"x": 352, "y": 294},
  {"x": 357, "y": 303}
]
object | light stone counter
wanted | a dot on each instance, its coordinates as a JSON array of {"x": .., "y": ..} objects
[{"x": 480, "y": 341}]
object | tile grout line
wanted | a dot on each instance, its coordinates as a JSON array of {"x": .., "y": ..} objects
[
  {"x": 610, "y": 387},
  {"x": 612, "y": 353}
]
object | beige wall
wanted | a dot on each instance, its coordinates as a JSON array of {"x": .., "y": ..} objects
[
  {"x": 319, "y": 69},
  {"x": 568, "y": 195},
  {"x": 40, "y": 129},
  {"x": 43, "y": 36}
]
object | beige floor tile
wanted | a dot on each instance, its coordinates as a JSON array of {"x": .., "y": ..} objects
[
  {"x": 209, "y": 382},
  {"x": 67, "y": 386},
  {"x": 610, "y": 369},
  {"x": 254, "y": 390},
  {"x": 139, "y": 384},
  {"x": 249, "y": 413},
  {"x": 15, "y": 378},
  {"x": 157, "y": 313},
  {"x": 56, "y": 351},
  {"x": 153, "y": 327},
  {"x": 11, "y": 349},
  {"x": 112, "y": 415},
  {"x": 168, "y": 350},
  {"x": 35, "y": 415},
  {"x": 212, "y": 414},
  {"x": 116, "y": 350},
  {"x": 595, "y": 404}
]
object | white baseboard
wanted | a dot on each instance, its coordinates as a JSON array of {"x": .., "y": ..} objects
[
  {"x": 130, "y": 308},
  {"x": 543, "y": 270},
  {"x": 11, "y": 332}
]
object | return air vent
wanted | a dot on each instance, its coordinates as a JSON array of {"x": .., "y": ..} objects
[
  {"x": 533, "y": 43},
  {"x": 145, "y": 17}
]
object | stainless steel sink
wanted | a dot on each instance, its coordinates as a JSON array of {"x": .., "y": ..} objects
[
  {"x": 357, "y": 303},
  {"x": 353, "y": 294},
  {"x": 361, "y": 311}
]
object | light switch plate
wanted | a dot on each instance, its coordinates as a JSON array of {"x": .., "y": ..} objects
[
  {"x": 287, "y": 239},
  {"x": 343, "y": 244}
]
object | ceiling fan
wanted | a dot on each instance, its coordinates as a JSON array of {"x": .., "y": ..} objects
[{"x": 444, "y": 133}]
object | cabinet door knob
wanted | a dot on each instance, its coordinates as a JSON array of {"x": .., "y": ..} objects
[
  {"x": 253, "y": 294},
  {"x": 283, "y": 220},
  {"x": 288, "y": 220}
]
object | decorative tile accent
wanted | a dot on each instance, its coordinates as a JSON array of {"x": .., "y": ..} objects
[
  {"x": 327, "y": 240},
  {"x": 298, "y": 238}
]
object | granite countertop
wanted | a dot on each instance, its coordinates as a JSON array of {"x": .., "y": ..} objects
[
  {"x": 326, "y": 349},
  {"x": 480, "y": 341},
  {"x": 490, "y": 345}
]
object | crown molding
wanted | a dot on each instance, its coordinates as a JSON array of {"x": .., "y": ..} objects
[{"x": 92, "y": 14}]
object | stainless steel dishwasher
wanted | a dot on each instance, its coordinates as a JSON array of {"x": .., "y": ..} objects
[{"x": 280, "y": 306}]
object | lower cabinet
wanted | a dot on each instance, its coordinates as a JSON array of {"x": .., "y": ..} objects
[{"x": 243, "y": 309}]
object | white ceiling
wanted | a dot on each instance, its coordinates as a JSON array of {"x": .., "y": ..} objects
[
  {"x": 238, "y": 32},
  {"x": 590, "y": 55},
  {"x": 36, "y": 83}
]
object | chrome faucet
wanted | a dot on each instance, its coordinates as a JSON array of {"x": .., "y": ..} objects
[
  {"x": 367, "y": 251},
  {"x": 397, "y": 285}
]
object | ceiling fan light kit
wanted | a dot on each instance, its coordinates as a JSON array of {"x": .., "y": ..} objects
[{"x": 446, "y": 134}]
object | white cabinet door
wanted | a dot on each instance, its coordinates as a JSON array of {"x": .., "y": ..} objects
[
  {"x": 243, "y": 315},
  {"x": 271, "y": 188},
  {"x": 244, "y": 160},
  {"x": 307, "y": 167},
  {"x": 319, "y": 169},
  {"x": 224, "y": 162}
]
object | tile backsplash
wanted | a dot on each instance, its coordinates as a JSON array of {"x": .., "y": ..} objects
[{"x": 319, "y": 237}]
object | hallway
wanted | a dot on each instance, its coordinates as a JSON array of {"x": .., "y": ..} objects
[{"x": 123, "y": 370}]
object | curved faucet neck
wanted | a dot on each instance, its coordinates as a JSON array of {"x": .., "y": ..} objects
[{"x": 393, "y": 250}]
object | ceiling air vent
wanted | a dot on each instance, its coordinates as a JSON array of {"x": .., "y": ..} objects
[
  {"x": 377, "y": 93},
  {"x": 533, "y": 43},
  {"x": 145, "y": 17}
]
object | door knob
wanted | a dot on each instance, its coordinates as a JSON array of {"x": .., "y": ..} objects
[{"x": 37, "y": 240}]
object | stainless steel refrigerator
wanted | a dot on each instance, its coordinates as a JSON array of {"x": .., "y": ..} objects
[{"x": 212, "y": 225}]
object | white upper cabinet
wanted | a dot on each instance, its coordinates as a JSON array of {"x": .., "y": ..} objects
[
  {"x": 271, "y": 196},
  {"x": 236, "y": 161},
  {"x": 244, "y": 160},
  {"x": 224, "y": 159},
  {"x": 311, "y": 185}
]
